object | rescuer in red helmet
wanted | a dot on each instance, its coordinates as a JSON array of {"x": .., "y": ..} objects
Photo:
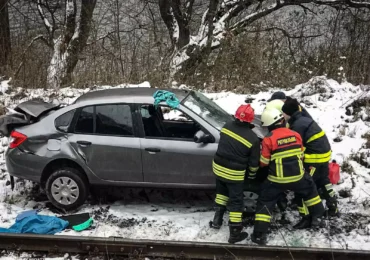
[{"x": 238, "y": 154}]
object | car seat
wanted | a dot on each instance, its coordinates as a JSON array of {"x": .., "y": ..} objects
[{"x": 156, "y": 122}]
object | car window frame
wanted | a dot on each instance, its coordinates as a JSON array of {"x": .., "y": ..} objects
[
  {"x": 79, "y": 110},
  {"x": 142, "y": 129}
]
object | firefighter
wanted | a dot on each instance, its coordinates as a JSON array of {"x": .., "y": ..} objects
[
  {"x": 316, "y": 158},
  {"x": 279, "y": 95},
  {"x": 238, "y": 152},
  {"x": 282, "y": 152}
]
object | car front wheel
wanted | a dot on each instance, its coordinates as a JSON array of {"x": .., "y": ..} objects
[{"x": 67, "y": 189}]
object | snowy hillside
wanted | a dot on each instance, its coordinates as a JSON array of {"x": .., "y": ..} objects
[{"x": 184, "y": 215}]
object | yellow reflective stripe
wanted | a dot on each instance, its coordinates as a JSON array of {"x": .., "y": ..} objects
[
  {"x": 302, "y": 210},
  {"x": 313, "y": 169},
  {"x": 252, "y": 173},
  {"x": 221, "y": 199},
  {"x": 227, "y": 170},
  {"x": 318, "y": 156},
  {"x": 253, "y": 169},
  {"x": 228, "y": 177},
  {"x": 235, "y": 216},
  {"x": 331, "y": 194},
  {"x": 264, "y": 160},
  {"x": 279, "y": 168},
  {"x": 221, "y": 202},
  {"x": 316, "y": 136},
  {"x": 236, "y": 137},
  {"x": 285, "y": 179},
  {"x": 286, "y": 154},
  {"x": 329, "y": 186},
  {"x": 324, "y": 160},
  {"x": 300, "y": 108},
  {"x": 263, "y": 217},
  {"x": 304, "y": 148},
  {"x": 313, "y": 201},
  {"x": 301, "y": 165}
]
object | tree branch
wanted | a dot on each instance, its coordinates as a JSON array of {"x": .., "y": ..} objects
[
  {"x": 70, "y": 24},
  {"x": 47, "y": 24},
  {"x": 168, "y": 19},
  {"x": 38, "y": 37}
]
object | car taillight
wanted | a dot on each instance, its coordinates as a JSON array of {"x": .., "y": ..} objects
[{"x": 16, "y": 139}]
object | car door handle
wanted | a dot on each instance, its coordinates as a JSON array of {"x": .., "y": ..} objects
[
  {"x": 84, "y": 143},
  {"x": 152, "y": 150}
]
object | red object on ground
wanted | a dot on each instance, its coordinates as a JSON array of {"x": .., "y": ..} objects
[
  {"x": 245, "y": 113},
  {"x": 334, "y": 172}
]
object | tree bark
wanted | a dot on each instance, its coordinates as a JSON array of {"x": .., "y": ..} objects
[
  {"x": 5, "y": 41},
  {"x": 68, "y": 46}
]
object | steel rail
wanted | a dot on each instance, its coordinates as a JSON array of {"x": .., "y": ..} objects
[{"x": 167, "y": 249}]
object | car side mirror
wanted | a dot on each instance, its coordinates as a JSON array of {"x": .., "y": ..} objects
[{"x": 201, "y": 137}]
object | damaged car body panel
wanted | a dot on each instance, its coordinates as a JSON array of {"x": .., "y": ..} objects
[{"x": 115, "y": 137}]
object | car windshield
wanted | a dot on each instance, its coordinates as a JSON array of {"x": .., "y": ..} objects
[{"x": 206, "y": 109}]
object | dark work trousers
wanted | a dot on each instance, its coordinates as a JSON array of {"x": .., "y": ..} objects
[
  {"x": 320, "y": 176},
  {"x": 271, "y": 192},
  {"x": 230, "y": 195}
]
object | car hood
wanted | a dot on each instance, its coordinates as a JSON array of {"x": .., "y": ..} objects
[{"x": 35, "y": 108}]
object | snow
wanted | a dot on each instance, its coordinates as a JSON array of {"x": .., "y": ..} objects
[{"x": 184, "y": 215}]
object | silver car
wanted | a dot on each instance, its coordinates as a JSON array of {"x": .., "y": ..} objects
[{"x": 114, "y": 137}]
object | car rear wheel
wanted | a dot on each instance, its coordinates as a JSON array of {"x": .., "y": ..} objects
[{"x": 67, "y": 188}]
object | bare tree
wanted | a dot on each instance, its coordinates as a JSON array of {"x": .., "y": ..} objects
[
  {"x": 221, "y": 19},
  {"x": 71, "y": 40},
  {"x": 5, "y": 43}
]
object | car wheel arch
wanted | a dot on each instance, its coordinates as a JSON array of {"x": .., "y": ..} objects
[{"x": 58, "y": 164}]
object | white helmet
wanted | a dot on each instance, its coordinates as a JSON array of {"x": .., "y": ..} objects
[
  {"x": 277, "y": 104},
  {"x": 270, "y": 116}
]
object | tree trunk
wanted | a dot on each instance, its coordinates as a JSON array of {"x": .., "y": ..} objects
[
  {"x": 5, "y": 42},
  {"x": 68, "y": 46}
]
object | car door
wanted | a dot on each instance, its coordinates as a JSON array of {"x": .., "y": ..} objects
[
  {"x": 168, "y": 158},
  {"x": 104, "y": 137}
]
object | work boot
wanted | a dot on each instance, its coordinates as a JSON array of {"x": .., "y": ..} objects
[
  {"x": 217, "y": 219},
  {"x": 259, "y": 238},
  {"x": 304, "y": 223},
  {"x": 236, "y": 234}
]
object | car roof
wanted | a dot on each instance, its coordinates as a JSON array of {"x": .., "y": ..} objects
[{"x": 130, "y": 95}]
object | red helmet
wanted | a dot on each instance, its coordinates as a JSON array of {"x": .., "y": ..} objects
[{"x": 245, "y": 113}]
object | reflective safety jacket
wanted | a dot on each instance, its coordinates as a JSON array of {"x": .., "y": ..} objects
[
  {"x": 282, "y": 151},
  {"x": 315, "y": 142},
  {"x": 238, "y": 150}
]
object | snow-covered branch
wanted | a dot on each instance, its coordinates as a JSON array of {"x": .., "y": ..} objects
[{"x": 47, "y": 24}]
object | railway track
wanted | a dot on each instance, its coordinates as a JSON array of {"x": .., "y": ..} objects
[{"x": 114, "y": 246}]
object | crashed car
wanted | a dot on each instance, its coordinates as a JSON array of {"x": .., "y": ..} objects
[{"x": 115, "y": 137}]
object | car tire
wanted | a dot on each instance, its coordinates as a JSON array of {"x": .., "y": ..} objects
[{"x": 67, "y": 188}]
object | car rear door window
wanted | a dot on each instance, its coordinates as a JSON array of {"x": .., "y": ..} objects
[
  {"x": 115, "y": 119},
  {"x": 85, "y": 121}
]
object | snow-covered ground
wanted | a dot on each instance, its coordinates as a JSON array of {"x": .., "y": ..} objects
[{"x": 184, "y": 215}]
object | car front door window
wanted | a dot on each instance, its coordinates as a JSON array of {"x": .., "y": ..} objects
[{"x": 164, "y": 122}]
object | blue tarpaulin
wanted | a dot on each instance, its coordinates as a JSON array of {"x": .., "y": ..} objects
[
  {"x": 166, "y": 96},
  {"x": 37, "y": 224}
]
